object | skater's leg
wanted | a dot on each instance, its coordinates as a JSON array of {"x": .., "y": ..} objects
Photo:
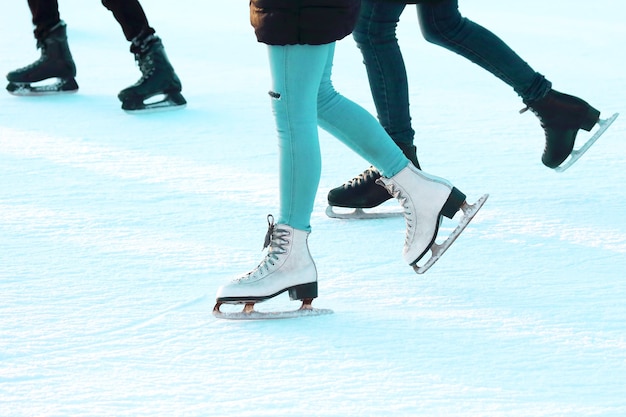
[
  {"x": 442, "y": 24},
  {"x": 158, "y": 76},
  {"x": 288, "y": 266},
  {"x": 375, "y": 36},
  {"x": 131, "y": 17},
  {"x": 296, "y": 75},
  {"x": 45, "y": 15},
  {"x": 561, "y": 115},
  {"x": 425, "y": 198},
  {"x": 56, "y": 60},
  {"x": 356, "y": 127}
]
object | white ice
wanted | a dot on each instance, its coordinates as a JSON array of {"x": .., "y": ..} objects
[{"x": 116, "y": 231}]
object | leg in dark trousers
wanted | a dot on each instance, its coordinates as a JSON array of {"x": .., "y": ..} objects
[
  {"x": 45, "y": 15},
  {"x": 130, "y": 16},
  {"x": 157, "y": 74},
  {"x": 56, "y": 60}
]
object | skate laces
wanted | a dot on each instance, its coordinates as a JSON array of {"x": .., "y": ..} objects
[
  {"x": 33, "y": 65},
  {"x": 143, "y": 47},
  {"x": 398, "y": 193},
  {"x": 146, "y": 66},
  {"x": 370, "y": 174},
  {"x": 42, "y": 58},
  {"x": 276, "y": 240},
  {"x": 536, "y": 113}
]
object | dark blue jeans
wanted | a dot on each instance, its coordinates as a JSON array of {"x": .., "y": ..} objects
[{"x": 441, "y": 23}]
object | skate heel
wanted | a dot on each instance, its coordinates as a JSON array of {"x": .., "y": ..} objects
[
  {"x": 453, "y": 203},
  {"x": 68, "y": 84},
  {"x": 302, "y": 291},
  {"x": 176, "y": 98},
  {"x": 590, "y": 119}
]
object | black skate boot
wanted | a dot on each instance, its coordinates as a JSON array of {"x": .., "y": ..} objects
[
  {"x": 561, "y": 117},
  {"x": 55, "y": 62},
  {"x": 363, "y": 191},
  {"x": 158, "y": 79}
]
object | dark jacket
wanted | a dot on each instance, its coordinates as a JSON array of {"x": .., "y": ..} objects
[{"x": 313, "y": 22}]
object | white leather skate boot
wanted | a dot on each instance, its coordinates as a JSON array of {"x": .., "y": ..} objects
[
  {"x": 425, "y": 198},
  {"x": 288, "y": 266}
]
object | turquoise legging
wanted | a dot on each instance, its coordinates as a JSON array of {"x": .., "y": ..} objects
[{"x": 303, "y": 97}]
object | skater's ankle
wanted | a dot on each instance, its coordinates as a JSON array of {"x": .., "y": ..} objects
[
  {"x": 409, "y": 150},
  {"x": 141, "y": 43},
  {"x": 42, "y": 33}
]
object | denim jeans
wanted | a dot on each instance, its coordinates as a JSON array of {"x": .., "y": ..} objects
[
  {"x": 442, "y": 24},
  {"x": 304, "y": 98}
]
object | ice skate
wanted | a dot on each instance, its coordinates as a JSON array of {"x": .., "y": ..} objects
[
  {"x": 52, "y": 73},
  {"x": 287, "y": 266},
  {"x": 561, "y": 117},
  {"x": 159, "y": 87},
  {"x": 425, "y": 199},
  {"x": 353, "y": 199}
]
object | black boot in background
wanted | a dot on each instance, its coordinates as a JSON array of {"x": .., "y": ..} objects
[
  {"x": 55, "y": 62},
  {"x": 561, "y": 117},
  {"x": 157, "y": 78},
  {"x": 362, "y": 191}
]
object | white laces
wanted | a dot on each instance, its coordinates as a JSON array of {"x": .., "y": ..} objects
[{"x": 276, "y": 240}]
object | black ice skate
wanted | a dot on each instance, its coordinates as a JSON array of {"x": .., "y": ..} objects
[
  {"x": 364, "y": 192},
  {"x": 55, "y": 64},
  {"x": 159, "y": 87},
  {"x": 359, "y": 193},
  {"x": 561, "y": 117}
]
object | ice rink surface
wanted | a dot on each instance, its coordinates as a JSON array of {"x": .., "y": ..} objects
[{"x": 116, "y": 231}]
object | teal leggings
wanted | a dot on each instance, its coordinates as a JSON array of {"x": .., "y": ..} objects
[{"x": 303, "y": 97}]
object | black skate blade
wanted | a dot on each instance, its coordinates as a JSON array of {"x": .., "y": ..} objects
[
  {"x": 249, "y": 313},
  {"x": 437, "y": 250},
  {"x": 360, "y": 214},
  {"x": 156, "y": 103},
  {"x": 43, "y": 88},
  {"x": 603, "y": 125}
]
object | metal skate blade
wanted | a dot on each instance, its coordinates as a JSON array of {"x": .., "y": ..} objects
[
  {"x": 156, "y": 103},
  {"x": 359, "y": 213},
  {"x": 155, "y": 109},
  {"x": 50, "y": 86},
  {"x": 249, "y": 313},
  {"x": 437, "y": 250},
  {"x": 603, "y": 125}
]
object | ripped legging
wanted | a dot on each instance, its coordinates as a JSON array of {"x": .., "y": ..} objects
[{"x": 303, "y": 97}]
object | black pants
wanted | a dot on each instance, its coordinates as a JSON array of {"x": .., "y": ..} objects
[{"x": 128, "y": 13}]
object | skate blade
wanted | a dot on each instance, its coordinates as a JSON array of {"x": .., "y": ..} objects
[
  {"x": 576, "y": 154},
  {"x": 156, "y": 103},
  {"x": 249, "y": 313},
  {"x": 437, "y": 250},
  {"x": 359, "y": 213},
  {"x": 43, "y": 88}
]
